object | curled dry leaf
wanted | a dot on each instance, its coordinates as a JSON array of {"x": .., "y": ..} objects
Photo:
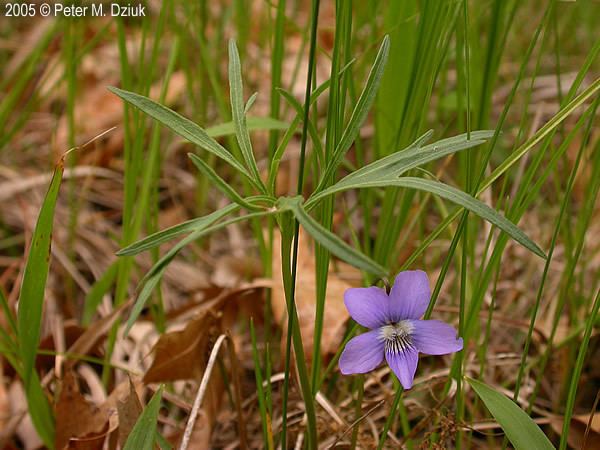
[
  {"x": 336, "y": 314},
  {"x": 129, "y": 409},
  {"x": 181, "y": 355},
  {"x": 77, "y": 419},
  {"x": 96, "y": 441}
]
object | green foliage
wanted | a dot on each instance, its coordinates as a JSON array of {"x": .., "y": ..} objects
[
  {"x": 143, "y": 434},
  {"x": 180, "y": 125},
  {"x": 411, "y": 65},
  {"x": 31, "y": 301},
  {"x": 329, "y": 240},
  {"x": 382, "y": 173},
  {"x": 359, "y": 113},
  {"x": 520, "y": 429}
]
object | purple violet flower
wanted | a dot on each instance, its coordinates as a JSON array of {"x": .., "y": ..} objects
[{"x": 396, "y": 331}]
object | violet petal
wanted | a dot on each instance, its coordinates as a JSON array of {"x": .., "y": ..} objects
[
  {"x": 362, "y": 353},
  {"x": 404, "y": 365},
  {"x": 367, "y": 306},
  {"x": 410, "y": 295},
  {"x": 435, "y": 337}
]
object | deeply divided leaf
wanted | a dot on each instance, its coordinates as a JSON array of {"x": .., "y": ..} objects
[
  {"x": 449, "y": 193},
  {"x": 180, "y": 125}
]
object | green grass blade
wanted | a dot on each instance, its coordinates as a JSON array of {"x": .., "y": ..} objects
[
  {"x": 98, "y": 290},
  {"x": 280, "y": 150},
  {"x": 252, "y": 123},
  {"x": 8, "y": 314},
  {"x": 180, "y": 125},
  {"x": 508, "y": 163},
  {"x": 220, "y": 183},
  {"x": 238, "y": 114},
  {"x": 31, "y": 297},
  {"x": 548, "y": 128},
  {"x": 29, "y": 316},
  {"x": 576, "y": 371},
  {"x": 40, "y": 411},
  {"x": 332, "y": 242},
  {"x": 520, "y": 429},
  {"x": 143, "y": 434},
  {"x": 312, "y": 129},
  {"x": 359, "y": 114},
  {"x": 267, "y": 437}
]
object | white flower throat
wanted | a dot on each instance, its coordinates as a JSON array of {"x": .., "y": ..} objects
[{"x": 397, "y": 336}]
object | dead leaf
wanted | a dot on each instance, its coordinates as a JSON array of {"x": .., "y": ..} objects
[
  {"x": 181, "y": 355},
  {"x": 334, "y": 321},
  {"x": 129, "y": 410},
  {"x": 577, "y": 431},
  {"x": 96, "y": 441},
  {"x": 76, "y": 417}
]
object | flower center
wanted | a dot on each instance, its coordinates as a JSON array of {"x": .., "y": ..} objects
[{"x": 396, "y": 336}]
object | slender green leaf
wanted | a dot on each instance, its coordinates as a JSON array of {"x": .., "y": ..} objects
[
  {"x": 162, "y": 442},
  {"x": 359, "y": 114},
  {"x": 330, "y": 241},
  {"x": 253, "y": 124},
  {"x": 249, "y": 105},
  {"x": 225, "y": 188},
  {"x": 259, "y": 387},
  {"x": 180, "y": 125},
  {"x": 160, "y": 237},
  {"x": 143, "y": 434},
  {"x": 578, "y": 367},
  {"x": 278, "y": 154},
  {"x": 236, "y": 95},
  {"x": 31, "y": 297},
  {"x": 154, "y": 275},
  {"x": 312, "y": 130},
  {"x": 31, "y": 300},
  {"x": 40, "y": 411},
  {"x": 8, "y": 314},
  {"x": 454, "y": 195},
  {"x": 520, "y": 429},
  {"x": 416, "y": 155}
]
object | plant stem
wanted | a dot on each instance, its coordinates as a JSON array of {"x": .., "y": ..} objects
[{"x": 293, "y": 328}]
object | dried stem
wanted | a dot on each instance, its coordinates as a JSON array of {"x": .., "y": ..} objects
[{"x": 200, "y": 395}]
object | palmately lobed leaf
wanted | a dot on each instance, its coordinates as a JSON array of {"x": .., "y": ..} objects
[
  {"x": 180, "y": 125},
  {"x": 416, "y": 155},
  {"x": 447, "y": 192}
]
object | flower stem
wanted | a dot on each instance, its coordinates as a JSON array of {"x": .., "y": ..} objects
[
  {"x": 391, "y": 417},
  {"x": 289, "y": 273}
]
